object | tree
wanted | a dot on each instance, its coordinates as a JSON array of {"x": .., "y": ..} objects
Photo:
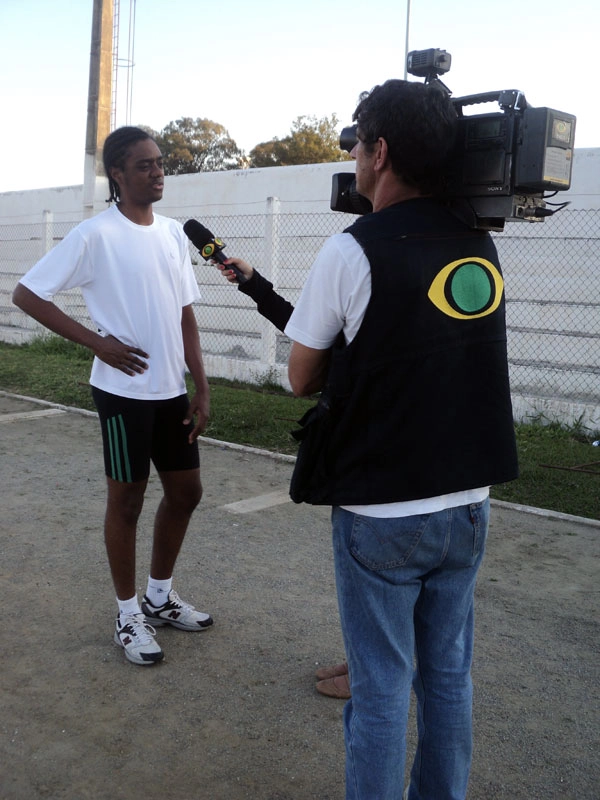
[
  {"x": 197, "y": 145},
  {"x": 266, "y": 154},
  {"x": 311, "y": 141}
]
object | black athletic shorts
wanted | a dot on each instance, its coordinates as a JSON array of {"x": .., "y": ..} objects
[{"x": 136, "y": 432}]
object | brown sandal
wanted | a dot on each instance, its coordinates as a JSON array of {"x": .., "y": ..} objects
[
  {"x": 324, "y": 673},
  {"x": 338, "y": 687}
]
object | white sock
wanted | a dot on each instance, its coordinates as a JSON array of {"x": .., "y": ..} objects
[
  {"x": 158, "y": 591},
  {"x": 130, "y": 606}
]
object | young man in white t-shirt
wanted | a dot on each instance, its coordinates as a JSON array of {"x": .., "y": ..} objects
[{"x": 135, "y": 273}]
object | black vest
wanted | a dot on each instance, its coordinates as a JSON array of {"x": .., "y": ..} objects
[{"x": 418, "y": 405}]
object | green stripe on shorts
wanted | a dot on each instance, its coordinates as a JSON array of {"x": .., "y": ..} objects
[{"x": 119, "y": 454}]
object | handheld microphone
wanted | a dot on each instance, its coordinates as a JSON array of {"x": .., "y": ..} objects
[{"x": 208, "y": 246}]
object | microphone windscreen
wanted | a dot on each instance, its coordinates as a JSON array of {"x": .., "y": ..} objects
[{"x": 197, "y": 233}]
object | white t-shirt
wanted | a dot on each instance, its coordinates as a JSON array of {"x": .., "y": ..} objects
[
  {"x": 334, "y": 298},
  {"x": 135, "y": 280}
]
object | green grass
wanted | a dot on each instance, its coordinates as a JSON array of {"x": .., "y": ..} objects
[
  {"x": 53, "y": 369},
  {"x": 49, "y": 369},
  {"x": 263, "y": 416},
  {"x": 544, "y": 453}
]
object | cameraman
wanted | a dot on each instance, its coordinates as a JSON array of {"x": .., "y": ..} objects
[{"x": 401, "y": 326}]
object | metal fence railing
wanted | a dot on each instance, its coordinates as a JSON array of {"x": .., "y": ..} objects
[
  {"x": 551, "y": 273},
  {"x": 552, "y": 280}
]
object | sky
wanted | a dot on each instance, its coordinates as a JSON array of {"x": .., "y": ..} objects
[{"x": 254, "y": 67}]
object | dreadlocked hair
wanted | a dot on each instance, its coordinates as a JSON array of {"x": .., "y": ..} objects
[{"x": 115, "y": 151}]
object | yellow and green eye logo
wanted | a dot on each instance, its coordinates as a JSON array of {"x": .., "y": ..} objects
[
  {"x": 467, "y": 289},
  {"x": 208, "y": 250}
]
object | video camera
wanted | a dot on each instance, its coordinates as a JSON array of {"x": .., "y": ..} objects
[{"x": 503, "y": 163}]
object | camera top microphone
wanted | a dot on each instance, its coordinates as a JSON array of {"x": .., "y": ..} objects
[{"x": 209, "y": 247}]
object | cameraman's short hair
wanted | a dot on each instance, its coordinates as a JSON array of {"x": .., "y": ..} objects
[{"x": 419, "y": 124}]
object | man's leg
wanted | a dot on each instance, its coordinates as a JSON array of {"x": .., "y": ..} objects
[
  {"x": 126, "y": 426},
  {"x": 376, "y": 594},
  {"x": 123, "y": 508},
  {"x": 162, "y": 605},
  {"x": 444, "y": 647},
  {"x": 182, "y": 493}
]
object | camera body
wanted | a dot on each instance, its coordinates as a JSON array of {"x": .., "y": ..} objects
[{"x": 503, "y": 162}]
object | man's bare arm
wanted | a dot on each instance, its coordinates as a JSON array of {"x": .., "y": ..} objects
[
  {"x": 108, "y": 349},
  {"x": 307, "y": 369},
  {"x": 200, "y": 402}
]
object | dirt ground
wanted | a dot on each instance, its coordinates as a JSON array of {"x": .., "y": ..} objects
[{"x": 232, "y": 713}]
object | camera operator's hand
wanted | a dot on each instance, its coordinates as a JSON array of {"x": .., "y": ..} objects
[{"x": 243, "y": 267}]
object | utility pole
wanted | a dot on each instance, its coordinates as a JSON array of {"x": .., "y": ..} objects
[{"x": 99, "y": 99}]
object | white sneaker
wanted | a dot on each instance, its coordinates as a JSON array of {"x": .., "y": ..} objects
[
  {"x": 176, "y": 613},
  {"x": 137, "y": 639}
]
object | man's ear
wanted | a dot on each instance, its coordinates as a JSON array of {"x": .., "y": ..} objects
[
  {"x": 114, "y": 172},
  {"x": 381, "y": 154}
]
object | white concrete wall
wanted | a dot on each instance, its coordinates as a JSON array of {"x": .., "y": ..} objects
[
  {"x": 19, "y": 208},
  {"x": 301, "y": 189},
  {"x": 585, "y": 180}
]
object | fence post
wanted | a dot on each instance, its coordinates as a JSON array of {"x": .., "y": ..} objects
[
  {"x": 47, "y": 231},
  {"x": 271, "y": 267}
]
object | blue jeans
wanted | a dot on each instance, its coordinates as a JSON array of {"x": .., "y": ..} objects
[{"x": 405, "y": 592}]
